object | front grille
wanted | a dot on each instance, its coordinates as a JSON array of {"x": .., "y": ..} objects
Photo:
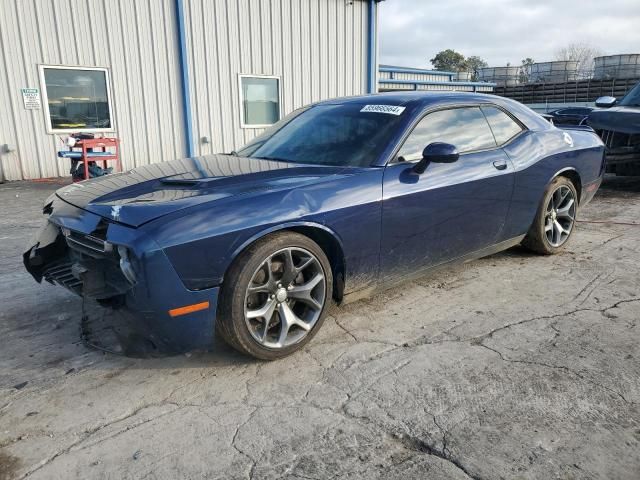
[
  {"x": 93, "y": 245},
  {"x": 614, "y": 139},
  {"x": 61, "y": 273}
]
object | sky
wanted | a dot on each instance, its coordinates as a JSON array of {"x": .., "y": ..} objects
[{"x": 501, "y": 31}]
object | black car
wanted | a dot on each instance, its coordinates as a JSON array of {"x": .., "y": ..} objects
[
  {"x": 618, "y": 124},
  {"x": 570, "y": 115}
]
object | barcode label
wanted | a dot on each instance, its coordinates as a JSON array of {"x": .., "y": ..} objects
[{"x": 390, "y": 109}]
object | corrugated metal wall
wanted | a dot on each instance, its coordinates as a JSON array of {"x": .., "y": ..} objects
[
  {"x": 431, "y": 77},
  {"x": 392, "y": 87},
  {"x": 135, "y": 40},
  {"x": 318, "y": 48}
]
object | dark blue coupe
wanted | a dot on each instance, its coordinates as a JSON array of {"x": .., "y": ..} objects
[{"x": 336, "y": 201}]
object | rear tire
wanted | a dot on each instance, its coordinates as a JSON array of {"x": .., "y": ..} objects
[
  {"x": 555, "y": 219},
  {"x": 275, "y": 296}
]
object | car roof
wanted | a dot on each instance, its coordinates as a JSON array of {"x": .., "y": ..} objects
[
  {"x": 425, "y": 99},
  {"x": 410, "y": 98}
]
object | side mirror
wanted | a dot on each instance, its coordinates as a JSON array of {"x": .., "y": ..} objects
[
  {"x": 606, "y": 102},
  {"x": 436, "y": 152}
]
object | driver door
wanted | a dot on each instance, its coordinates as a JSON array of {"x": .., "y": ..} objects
[{"x": 451, "y": 209}]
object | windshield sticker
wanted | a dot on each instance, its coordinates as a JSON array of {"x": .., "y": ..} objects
[{"x": 390, "y": 109}]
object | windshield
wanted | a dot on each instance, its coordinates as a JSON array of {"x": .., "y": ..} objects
[
  {"x": 632, "y": 99},
  {"x": 337, "y": 135}
]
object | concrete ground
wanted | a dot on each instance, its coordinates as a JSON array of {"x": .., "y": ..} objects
[{"x": 514, "y": 366}]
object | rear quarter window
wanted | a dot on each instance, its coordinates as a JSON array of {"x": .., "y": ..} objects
[{"x": 504, "y": 127}]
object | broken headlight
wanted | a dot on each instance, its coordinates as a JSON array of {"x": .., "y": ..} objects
[{"x": 126, "y": 266}]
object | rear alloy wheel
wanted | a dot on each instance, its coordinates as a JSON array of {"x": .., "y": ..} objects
[
  {"x": 274, "y": 296},
  {"x": 560, "y": 216},
  {"x": 555, "y": 219}
]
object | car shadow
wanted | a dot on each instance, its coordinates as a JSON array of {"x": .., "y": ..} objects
[
  {"x": 43, "y": 341},
  {"x": 612, "y": 185}
]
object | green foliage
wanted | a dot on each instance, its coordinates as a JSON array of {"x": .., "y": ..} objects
[
  {"x": 525, "y": 69},
  {"x": 473, "y": 64},
  {"x": 451, "y": 61}
]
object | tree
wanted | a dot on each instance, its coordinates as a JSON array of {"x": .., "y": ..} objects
[
  {"x": 473, "y": 64},
  {"x": 525, "y": 69},
  {"x": 580, "y": 52},
  {"x": 449, "y": 60}
]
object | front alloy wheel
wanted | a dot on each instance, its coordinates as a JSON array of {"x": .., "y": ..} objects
[
  {"x": 274, "y": 296},
  {"x": 285, "y": 298}
]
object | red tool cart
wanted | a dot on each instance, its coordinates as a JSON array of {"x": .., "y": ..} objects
[{"x": 89, "y": 151}]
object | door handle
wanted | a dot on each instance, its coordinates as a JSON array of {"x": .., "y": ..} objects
[{"x": 500, "y": 164}]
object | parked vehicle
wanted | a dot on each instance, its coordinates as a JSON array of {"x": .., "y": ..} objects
[
  {"x": 547, "y": 117},
  {"x": 570, "y": 115},
  {"x": 334, "y": 202},
  {"x": 618, "y": 124}
]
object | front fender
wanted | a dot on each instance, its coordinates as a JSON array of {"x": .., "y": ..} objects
[
  {"x": 202, "y": 242},
  {"x": 277, "y": 228}
]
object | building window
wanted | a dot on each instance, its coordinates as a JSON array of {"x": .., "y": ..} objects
[
  {"x": 77, "y": 99},
  {"x": 259, "y": 100}
]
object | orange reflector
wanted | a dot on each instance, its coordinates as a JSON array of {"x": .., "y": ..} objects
[{"x": 196, "y": 307}]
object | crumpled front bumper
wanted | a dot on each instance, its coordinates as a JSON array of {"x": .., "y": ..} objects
[
  {"x": 118, "y": 315},
  {"x": 621, "y": 147}
]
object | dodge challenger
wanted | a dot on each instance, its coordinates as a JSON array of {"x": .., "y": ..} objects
[
  {"x": 618, "y": 124},
  {"x": 334, "y": 202}
]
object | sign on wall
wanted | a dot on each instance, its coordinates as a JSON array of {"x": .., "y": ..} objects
[{"x": 31, "y": 98}]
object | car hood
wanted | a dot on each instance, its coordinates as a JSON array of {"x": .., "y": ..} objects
[
  {"x": 146, "y": 193},
  {"x": 620, "y": 119}
]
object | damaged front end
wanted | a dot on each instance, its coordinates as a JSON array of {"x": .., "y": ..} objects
[
  {"x": 85, "y": 264},
  {"x": 126, "y": 283},
  {"x": 619, "y": 129},
  {"x": 622, "y": 149}
]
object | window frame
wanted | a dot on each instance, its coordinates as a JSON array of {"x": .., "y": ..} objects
[
  {"x": 523, "y": 128},
  {"x": 45, "y": 99},
  {"x": 240, "y": 94},
  {"x": 393, "y": 159}
]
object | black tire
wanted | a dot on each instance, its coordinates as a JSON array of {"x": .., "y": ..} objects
[
  {"x": 230, "y": 322},
  {"x": 536, "y": 239}
]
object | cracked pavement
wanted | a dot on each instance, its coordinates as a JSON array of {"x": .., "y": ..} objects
[{"x": 513, "y": 366}]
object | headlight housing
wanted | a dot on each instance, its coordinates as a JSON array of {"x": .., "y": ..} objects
[{"x": 125, "y": 265}]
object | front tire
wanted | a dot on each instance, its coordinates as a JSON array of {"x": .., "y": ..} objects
[
  {"x": 555, "y": 219},
  {"x": 274, "y": 296}
]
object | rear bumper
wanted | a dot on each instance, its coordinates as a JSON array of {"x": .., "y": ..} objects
[
  {"x": 589, "y": 190},
  {"x": 120, "y": 315}
]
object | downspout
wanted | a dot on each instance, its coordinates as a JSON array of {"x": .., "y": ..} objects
[
  {"x": 372, "y": 51},
  {"x": 184, "y": 76}
]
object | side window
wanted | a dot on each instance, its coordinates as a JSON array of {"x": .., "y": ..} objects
[
  {"x": 466, "y": 128},
  {"x": 503, "y": 126}
]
